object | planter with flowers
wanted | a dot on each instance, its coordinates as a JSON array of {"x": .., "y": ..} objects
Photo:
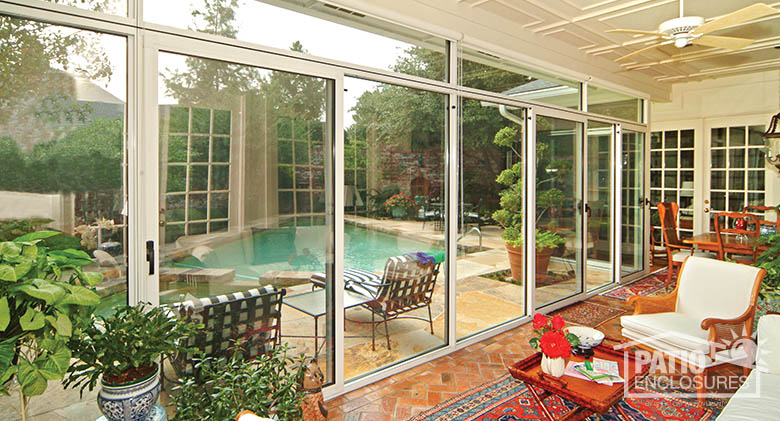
[
  {"x": 554, "y": 342},
  {"x": 398, "y": 205}
]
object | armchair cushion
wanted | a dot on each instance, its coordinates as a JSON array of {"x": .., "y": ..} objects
[
  {"x": 757, "y": 399},
  {"x": 681, "y": 255},
  {"x": 715, "y": 289},
  {"x": 768, "y": 354},
  {"x": 675, "y": 329}
]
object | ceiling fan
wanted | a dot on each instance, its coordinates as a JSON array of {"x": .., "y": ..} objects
[{"x": 687, "y": 30}]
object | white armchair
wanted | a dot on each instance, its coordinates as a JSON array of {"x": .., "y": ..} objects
[
  {"x": 759, "y": 397},
  {"x": 712, "y": 307}
]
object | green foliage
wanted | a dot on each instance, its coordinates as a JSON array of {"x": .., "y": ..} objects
[
  {"x": 12, "y": 228},
  {"x": 267, "y": 385},
  {"x": 377, "y": 199},
  {"x": 769, "y": 260},
  {"x": 43, "y": 294},
  {"x": 132, "y": 338}
]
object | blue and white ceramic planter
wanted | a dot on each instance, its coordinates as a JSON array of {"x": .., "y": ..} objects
[{"x": 132, "y": 401}]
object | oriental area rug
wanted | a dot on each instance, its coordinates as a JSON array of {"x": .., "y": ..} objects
[
  {"x": 651, "y": 285},
  {"x": 507, "y": 399},
  {"x": 589, "y": 314}
]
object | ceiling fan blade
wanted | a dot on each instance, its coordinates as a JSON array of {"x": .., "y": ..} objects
[
  {"x": 642, "y": 50},
  {"x": 631, "y": 31},
  {"x": 749, "y": 13},
  {"x": 729, "y": 43}
]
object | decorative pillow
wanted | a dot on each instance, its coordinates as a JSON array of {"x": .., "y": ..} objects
[{"x": 768, "y": 355}]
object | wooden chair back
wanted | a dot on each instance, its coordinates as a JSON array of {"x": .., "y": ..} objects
[
  {"x": 667, "y": 211},
  {"x": 723, "y": 231},
  {"x": 756, "y": 209}
]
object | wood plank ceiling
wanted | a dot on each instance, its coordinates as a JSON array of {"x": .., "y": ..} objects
[{"x": 582, "y": 23}]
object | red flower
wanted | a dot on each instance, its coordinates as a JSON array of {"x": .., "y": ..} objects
[
  {"x": 540, "y": 321},
  {"x": 558, "y": 323},
  {"x": 554, "y": 345}
]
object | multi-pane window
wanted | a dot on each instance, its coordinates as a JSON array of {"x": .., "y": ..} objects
[
  {"x": 672, "y": 175},
  {"x": 301, "y": 170},
  {"x": 736, "y": 167},
  {"x": 198, "y": 171}
]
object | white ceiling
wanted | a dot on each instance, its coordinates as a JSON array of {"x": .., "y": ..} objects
[{"x": 582, "y": 24}]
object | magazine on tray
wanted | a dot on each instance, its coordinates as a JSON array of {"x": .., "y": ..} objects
[{"x": 600, "y": 371}]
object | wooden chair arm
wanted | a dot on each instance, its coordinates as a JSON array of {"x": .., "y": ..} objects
[
  {"x": 723, "y": 332},
  {"x": 648, "y": 305}
]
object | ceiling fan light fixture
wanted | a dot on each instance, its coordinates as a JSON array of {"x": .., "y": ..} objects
[
  {"x": 681, "y": 42},
  {"x": 680, "y": 25}
]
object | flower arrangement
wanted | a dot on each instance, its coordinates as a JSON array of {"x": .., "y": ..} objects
[
  {"x": 551, "y": 338},
  {"x": 399, "y": 200}
]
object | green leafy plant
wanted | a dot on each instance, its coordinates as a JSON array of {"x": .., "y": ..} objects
[
  {"x": 267, "y": 385},
  {"x": 13, "y": 228},
  {"x": 770, "y": 261},
  {"x": 43, "y": 295},
  {"x": 124, "y": 346},
  {"x": 510, "y": 215},
  {"x": 377, "y": 198}
]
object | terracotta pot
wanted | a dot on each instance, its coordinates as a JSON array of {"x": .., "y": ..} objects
[
  {"x": 516, "y": 261},
  {"x": 553, "y": 366}
]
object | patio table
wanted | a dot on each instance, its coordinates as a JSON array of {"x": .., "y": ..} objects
[
  {"x": 313, "y": 304},
  {"x": 709, "y": 241}
]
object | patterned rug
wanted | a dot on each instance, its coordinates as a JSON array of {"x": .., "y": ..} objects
[
  {"x": 507, "y": 399},
  {"x": 589, "y": 314},
  {"x": 651, "y": 285}
]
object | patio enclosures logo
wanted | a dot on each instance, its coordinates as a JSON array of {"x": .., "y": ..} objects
[{"x": 688, "y": 374}]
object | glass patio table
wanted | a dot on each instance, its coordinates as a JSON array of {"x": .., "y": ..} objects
[{"x": 313, "y": 304}]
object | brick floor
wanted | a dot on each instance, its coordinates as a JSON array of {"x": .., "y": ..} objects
[{"x": 401, "y": 396}]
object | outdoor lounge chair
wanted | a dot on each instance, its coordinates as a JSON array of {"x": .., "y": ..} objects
[
  {"x": 251, "y": 318},
  {"x": 406, "y": 285}
]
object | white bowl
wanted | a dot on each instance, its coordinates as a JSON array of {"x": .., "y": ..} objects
[{"x": 589, "y": 337}]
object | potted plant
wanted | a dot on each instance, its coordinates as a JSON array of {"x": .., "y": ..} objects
[
  {"x": 398, "y": 205},
  {"x": 269, "y": 386},
  {"x": 510, "y": 215},
  {"x": 43, "y": 295},
  {"x": 554, "y": 342},
  {"x": 121, "y": 352}
]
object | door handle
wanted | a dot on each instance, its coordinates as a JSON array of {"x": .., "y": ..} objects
[
  {"x": 706, "y": 210},
  {"x": 587, "y": 209},
  {"x": 150, "y": 256}
]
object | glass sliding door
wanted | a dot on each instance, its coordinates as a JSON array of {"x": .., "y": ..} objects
[
  {"x": 632, "y": 232},
  {"x": 63, "y": 146},
  {"x": 246, "y": 197},
  {"x": 490, "y": 286},
  {"x": 559, "y": 222},
  {"x": 599, "y": 204},
  {"x": 394, "y": 241}
]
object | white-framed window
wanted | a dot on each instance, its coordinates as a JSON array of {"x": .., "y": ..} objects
[{"x": 672, "y": 174}]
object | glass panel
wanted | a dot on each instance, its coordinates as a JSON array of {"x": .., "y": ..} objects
[
  {"x": 670, "y": 139},
  {"x": 670, "y": 179},
  {"x": 718, "y": 180},
  {"x": 114, "y": 7},
  {"x": 718, "y": 201},
  {"x": 718, "y": 158},
  {"x": 656, "y": 159},
  {"x": 756, "y": 199},
  {"x": 718, "y": 136},
  {"x": 686, "y": 180},
  {"x": 177, "y": 178},
  {"x": 655, "y": 196},
  {"x": 655, "y": 140},
  {"x": 756, "y": 135},
  {"x": 485, "y": 71},
  {"x": 495, "y": 286},
  {"x": 655, "y": 178},
  {"x": 736, "y": 136},
  {"x": 737, "y": 180},
  {"x": 558, "y": 228},
  {"x": 670, "y": 159},
  {"x": 756, "y": 180},
  {"x": 331, "y": 32},
  {"x": 394, "y": 225},
  {"x": 686, "y": 138},
  {"x": 614, "y": 104},
  {"x": 755, "y": 158},
  {"x": 201, "y": 257},
  {"x": 686, "y": 159},
  {"x": 598, "y": 270},
  {"x": 633, "y": 237},
  {"x": 62, "y": 144},
  {"x": 736, "y": 201},
  {"x": 737, "y": 158},
  {"x": 670, "y": 195}
]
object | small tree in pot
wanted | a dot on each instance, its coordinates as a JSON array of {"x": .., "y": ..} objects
[
  {"x": 44, "y": 294},
  {"x": 120, "y": 352},
  {"x": 510, "y": 216}
]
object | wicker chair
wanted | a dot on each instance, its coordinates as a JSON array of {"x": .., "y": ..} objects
[{"x": 251, "y": 318}]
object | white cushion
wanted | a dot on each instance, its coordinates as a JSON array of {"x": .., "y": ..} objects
[
  {"x": 768, "y": 354},
  {"x": 757, "y": 399},
  {"x": 714, "y": 288},
  {"x": 681, "y": 255},
  {"x": 675, "y": 329}
]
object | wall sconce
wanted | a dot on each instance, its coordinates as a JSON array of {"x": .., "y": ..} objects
[{"x": 772, "y": 141}]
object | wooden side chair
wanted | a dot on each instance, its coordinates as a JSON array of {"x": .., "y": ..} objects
[
  {"x": 676, "y": 250},
  {"x": 765, "y": 224},
  {"x": 656, "y": 246},
  {"x": 728, "y": 246}
]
